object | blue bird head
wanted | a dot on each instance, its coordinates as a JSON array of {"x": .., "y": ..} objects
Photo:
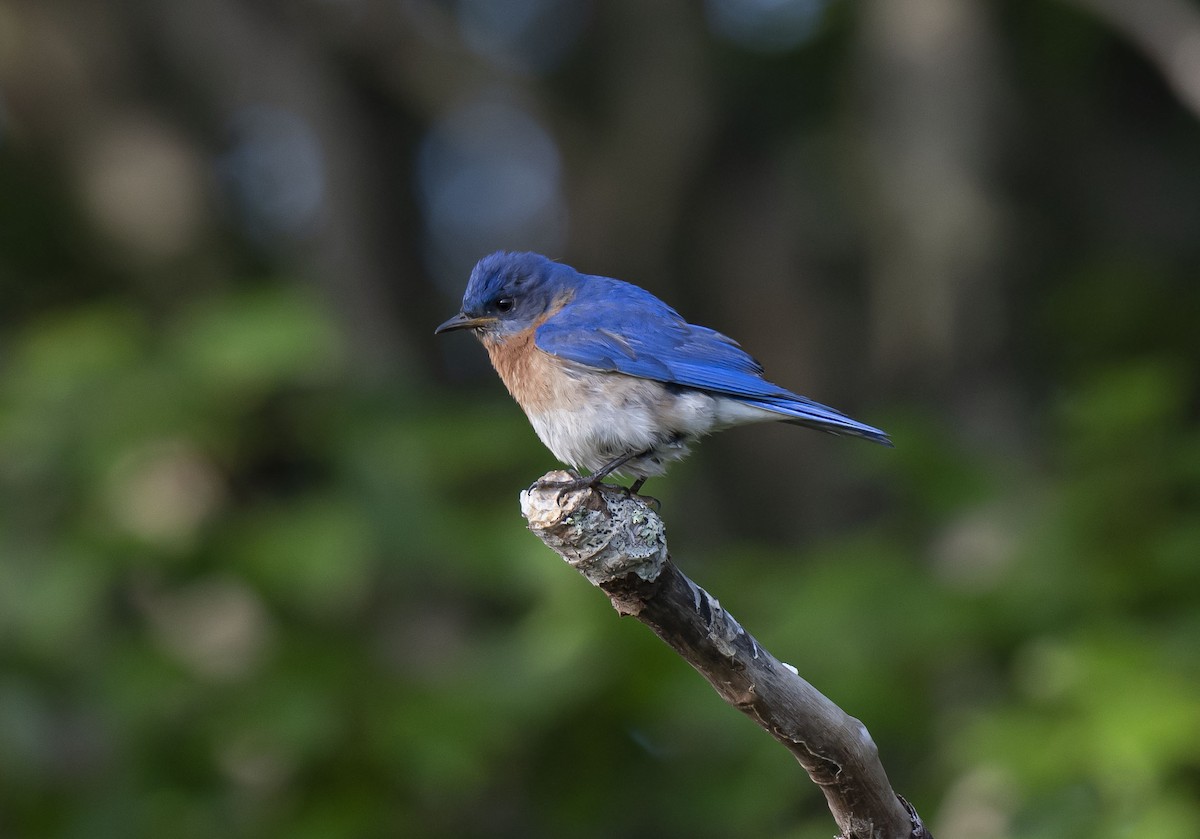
[{"x": 509, "y": 292}]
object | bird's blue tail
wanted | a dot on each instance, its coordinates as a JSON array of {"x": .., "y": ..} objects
[{"x": 801, "y": 411}]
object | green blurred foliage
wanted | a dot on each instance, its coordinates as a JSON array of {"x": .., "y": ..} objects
[{"x": 248, "y": 589}]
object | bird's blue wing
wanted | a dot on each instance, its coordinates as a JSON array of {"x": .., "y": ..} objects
[{"x": 617, "y": 327}]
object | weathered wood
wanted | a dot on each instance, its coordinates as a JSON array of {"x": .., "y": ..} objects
[{"x": 619, "y": 543}]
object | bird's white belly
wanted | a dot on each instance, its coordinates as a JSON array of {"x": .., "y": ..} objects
[{"x": 595, "y": 419}]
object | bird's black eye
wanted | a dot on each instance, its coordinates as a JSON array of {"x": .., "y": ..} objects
[{"x": 504, "y": 304}]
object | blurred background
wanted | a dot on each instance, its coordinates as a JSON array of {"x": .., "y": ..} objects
[{"x": 262, "y": 571}]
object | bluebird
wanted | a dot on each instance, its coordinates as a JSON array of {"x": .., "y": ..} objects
[{"x": 612, "y": 379}]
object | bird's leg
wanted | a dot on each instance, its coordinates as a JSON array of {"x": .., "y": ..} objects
[
  {"x": 613, "y": 465},
  {"x": 596, "y": 478},
  {"x": 635, "y": 489}
]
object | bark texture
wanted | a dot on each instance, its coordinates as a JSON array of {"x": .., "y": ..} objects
[{"x": 619, "y": 543}]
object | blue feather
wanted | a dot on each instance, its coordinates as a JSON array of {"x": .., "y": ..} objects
[{"x": 614, "y": 326}]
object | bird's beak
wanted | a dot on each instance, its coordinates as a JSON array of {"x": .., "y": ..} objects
[{"x": 462, "y": 321}]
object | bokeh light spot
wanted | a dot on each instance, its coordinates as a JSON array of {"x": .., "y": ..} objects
[
  {"x": 527, "y": 34},
  {"x": 765, "y": 25},
  {"x": 489, "y": 177},
  {"x": 142, "y": 187},
  {"x": 274, "y": 172}
]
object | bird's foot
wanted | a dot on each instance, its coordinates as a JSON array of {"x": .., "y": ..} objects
[
  {"x": 543, "y": 483},
  {"x": 575, "y": 483},
  {"x": 579, "y": 482}
]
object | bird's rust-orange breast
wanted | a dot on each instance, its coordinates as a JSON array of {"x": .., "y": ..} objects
[{"x": 532, "y": 376}]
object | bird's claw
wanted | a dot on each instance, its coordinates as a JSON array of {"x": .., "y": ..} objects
[
  {"x": 575, "y": 484},
  {"x": 580, "y": 482}
]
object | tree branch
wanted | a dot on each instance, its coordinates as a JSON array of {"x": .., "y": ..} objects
[{"x": 618, "y": 543}]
